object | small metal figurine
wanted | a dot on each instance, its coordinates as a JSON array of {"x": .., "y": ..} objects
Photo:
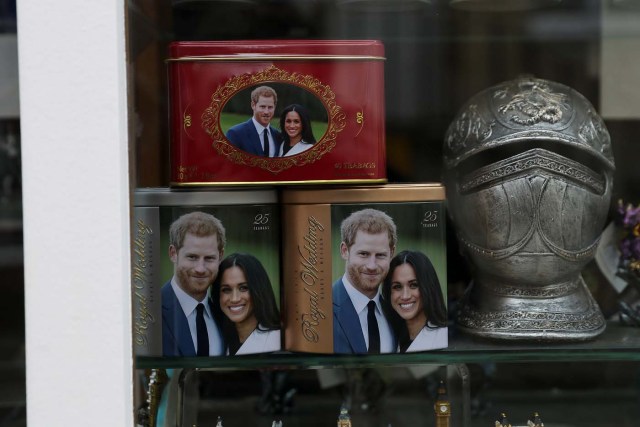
[
  {"x": 629, "y": 316},
  {"x": 502, "y": 421},
  {"x": 219, "y": 423},
  {"x": 535, "y": 421},
  {"x": 276, "y": 423},
  {"x": 529, "y": 175},
  {"x": 344, "y": 420},
  {"x": 442, "y": 407}
]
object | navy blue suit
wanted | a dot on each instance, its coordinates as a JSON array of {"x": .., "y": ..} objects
[
  {"x": 245, "y": 137},
  {"x": 176, "y": 336},
  {"x": 347, "y": 332}
]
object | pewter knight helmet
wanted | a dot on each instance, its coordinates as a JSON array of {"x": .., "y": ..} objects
[{"x": 528, "y": 172}]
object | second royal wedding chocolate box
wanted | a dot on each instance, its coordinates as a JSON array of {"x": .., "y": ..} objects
[
  {"x": 223, "y": 95},
  {"x": 289, "y": 248},
  {"x": 342, "y": 242}
]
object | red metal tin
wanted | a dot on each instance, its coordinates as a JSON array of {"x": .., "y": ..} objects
[{"x": 340, "y": 83}]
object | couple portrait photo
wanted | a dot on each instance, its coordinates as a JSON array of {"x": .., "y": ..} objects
[
  {"x": 272, "y": 130},
  {"x": 215, "y": 304},
  {"x": 386, "y": 301}
]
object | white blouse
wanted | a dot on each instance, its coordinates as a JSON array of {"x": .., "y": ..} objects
[
  {"x": 430, "y": 339},
  {"x": 261, "y": 342},
  {"x": 296, "y": 149}
]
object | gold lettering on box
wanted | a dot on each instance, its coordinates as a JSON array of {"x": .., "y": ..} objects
[
  {"x": 309, "y": 261},
  {"x": 359, "y": 165},
  {"x": 188, "y": 173},
  {"x": 143, "y": 316},
  {"x": 307, "y": 278}
]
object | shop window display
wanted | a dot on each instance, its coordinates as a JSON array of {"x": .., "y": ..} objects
[{"x": 438, "y": 55}]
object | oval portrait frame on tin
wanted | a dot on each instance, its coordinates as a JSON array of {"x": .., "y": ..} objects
[
  {"x": 237, "y": 112},
  {"x": 272, "y": 74}
]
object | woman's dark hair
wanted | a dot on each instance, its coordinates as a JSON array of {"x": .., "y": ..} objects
[
  {"x": 305, "y": 121},
  {"x": 265, "y": 308},
  {"x": 430, "y": 292}
]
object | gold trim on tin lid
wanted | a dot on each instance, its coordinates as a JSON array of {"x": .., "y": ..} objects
[
  {"x": 277, "y": 57},
  {"x": 365, "y": 194},
  {"x": 258, "y": 183}
]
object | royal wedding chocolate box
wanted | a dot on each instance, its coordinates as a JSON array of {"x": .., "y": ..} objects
[
  {"x": 178, "y": 252},
  {"x": 340, "y": 244},
  {"x": 320, "y": 101}
]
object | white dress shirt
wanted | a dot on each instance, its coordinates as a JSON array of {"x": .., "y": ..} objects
[
  {"x": 360, "y": 301},
  {"x": 188, "y": 305}
]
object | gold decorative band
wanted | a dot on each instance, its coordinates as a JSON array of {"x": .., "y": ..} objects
[
  {"x": 278, "y": 58},
  {"x": 265, "y": 183},
  {"x": 387, "y": 193}
]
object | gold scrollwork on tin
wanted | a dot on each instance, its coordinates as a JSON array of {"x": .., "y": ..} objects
[
  {"x": 360, "y": 121},
  {"x": 273, "y": 74},
  {"x": 187, "y": 120}
]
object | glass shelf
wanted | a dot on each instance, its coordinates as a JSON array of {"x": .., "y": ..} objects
[{"x": 618, "y": 342}]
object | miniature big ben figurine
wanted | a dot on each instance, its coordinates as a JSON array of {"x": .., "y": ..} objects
[
  {"x": 442, "y": 407},
  {"x": 344, "y": 420},
  {"x": 157, "y": 381}
]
